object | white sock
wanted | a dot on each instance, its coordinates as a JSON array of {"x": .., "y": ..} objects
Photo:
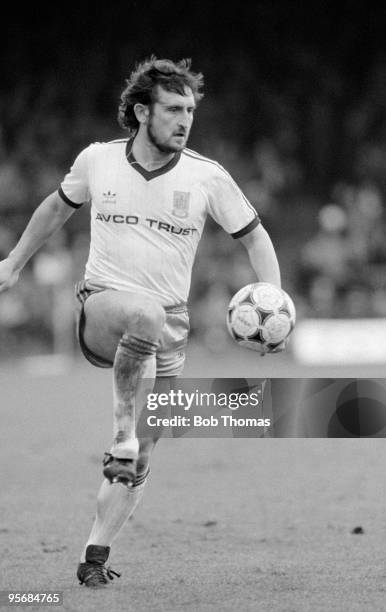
[{"x": 115, "y": 504}]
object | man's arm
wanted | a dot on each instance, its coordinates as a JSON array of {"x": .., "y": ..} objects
[
  {"x": 262, "y": 255},
  {"x": 45, "y": 221}
]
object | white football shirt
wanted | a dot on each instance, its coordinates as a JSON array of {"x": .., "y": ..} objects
[{"x": 146, "y": 225}]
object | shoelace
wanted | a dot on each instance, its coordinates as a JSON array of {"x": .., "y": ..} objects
[
  {"x": 100, "y": 572},
  {"x": 110, "y": 572}
]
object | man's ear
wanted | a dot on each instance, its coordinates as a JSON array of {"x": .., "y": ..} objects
[{"x": 141, "y": 112}]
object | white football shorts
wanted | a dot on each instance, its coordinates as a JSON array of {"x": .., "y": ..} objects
[{"x": 170, "y": 356}]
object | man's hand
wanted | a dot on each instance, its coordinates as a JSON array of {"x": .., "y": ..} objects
[
  {"x": 8, "y": 275},
  {"x": 278, "y": 349}
]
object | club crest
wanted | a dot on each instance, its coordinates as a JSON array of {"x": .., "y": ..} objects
[{"x": 181, "y": 204}]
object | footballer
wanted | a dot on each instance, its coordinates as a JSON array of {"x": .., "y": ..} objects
[{"x": 149, "y": 197}]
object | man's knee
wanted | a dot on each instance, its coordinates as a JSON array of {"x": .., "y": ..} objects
[{"x": 146, "y": 321}]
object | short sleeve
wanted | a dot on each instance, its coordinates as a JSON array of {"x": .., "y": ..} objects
[
  {"x": 74, "y": 189},
  {"x": 229, "y": 207}
]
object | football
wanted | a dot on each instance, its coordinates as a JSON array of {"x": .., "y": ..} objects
[{"x": 260, "y": 317}]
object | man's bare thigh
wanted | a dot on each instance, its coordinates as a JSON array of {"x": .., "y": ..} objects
[{"x": 109, "y": 314}]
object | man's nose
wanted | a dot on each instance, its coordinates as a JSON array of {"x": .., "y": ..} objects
[{"x": 185, "y": 119}]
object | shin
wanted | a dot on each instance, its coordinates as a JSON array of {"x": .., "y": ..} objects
[{"x": 134, "y": 375}]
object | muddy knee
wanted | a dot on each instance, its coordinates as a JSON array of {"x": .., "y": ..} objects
[{"x": 146, "y": 321}]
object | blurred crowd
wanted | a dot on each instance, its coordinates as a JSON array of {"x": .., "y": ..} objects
[{"x": 330, "y": 241}]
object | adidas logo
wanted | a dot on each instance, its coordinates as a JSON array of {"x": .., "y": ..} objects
[{"x": 109, "y": 197}]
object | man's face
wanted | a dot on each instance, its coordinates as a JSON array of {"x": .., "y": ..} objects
[{"x": 170, "y": 120}]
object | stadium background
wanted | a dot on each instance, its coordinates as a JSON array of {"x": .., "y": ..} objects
[{"x": 294, "y": 109}]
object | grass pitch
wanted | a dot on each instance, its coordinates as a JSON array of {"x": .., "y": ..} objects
[{"x": 224, "y": 524}]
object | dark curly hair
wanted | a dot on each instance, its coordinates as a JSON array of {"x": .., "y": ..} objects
[{"x": 172, "y": 76}]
